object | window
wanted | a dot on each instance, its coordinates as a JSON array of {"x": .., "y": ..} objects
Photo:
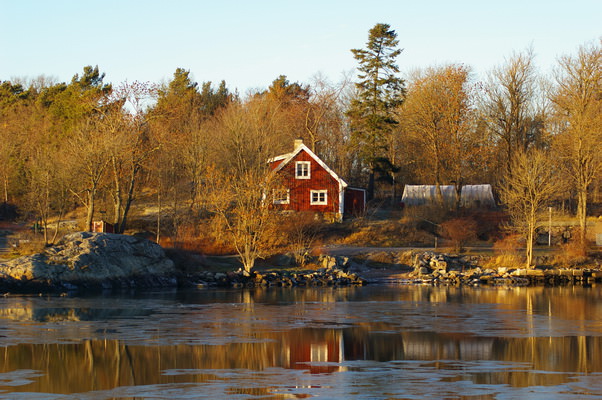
[
  {"x": 281, "y": 196},
  {"x": 302, "y": 170},
  {"x": 318, "y": 197},
  {"x": 319, "y": 352}
]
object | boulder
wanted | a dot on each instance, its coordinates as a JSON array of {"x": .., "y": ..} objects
[{"x": 86, "y": 259}]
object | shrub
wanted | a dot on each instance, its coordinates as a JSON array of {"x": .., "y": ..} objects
[
  {"x": 459, "y": 231},
  {"x": 572, "y": 253},
  {"x": 301, "y": 230}
]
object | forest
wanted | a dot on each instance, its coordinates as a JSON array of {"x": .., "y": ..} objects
[{"x": 189, "y": 158}]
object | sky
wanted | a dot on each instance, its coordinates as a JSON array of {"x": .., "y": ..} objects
[{"x": 250, "y": 43}]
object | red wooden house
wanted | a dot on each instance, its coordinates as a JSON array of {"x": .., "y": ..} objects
[{"x": 308, "y": 184}]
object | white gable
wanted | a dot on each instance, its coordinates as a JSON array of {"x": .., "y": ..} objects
[{"x": 301, "y": 147}]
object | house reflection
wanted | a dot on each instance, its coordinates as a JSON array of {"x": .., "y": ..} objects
[
  {"x": 103, "y": 364},
  {"x": 303, "y": 333},
  {"x": 315, "y": 350}
]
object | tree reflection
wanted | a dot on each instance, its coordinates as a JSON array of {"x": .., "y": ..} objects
[
  {"x": 105, "y": 364},
  {"x": 314, "y": 332}
]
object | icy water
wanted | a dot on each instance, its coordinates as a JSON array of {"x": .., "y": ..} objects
[{"x": 374, "y": 342}]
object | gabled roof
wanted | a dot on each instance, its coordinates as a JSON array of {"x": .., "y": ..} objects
[{"x": 286, "y": 158}]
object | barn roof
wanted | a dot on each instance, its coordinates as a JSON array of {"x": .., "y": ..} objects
[
  {"x": 470, "y": 195},
  {"x": 477, "y": 195},
  {"x": 417, "y": 195}
]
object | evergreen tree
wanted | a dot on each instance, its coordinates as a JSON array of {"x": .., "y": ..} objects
[
  {"x": 379, "y": 92},
  {"x": 214, "y": 99}
]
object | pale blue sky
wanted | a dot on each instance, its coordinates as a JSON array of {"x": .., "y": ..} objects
[{"x": 249, "y": 43}]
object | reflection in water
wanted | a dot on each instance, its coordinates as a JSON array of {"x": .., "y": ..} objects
[
  {"x": 351, "y": 343},
  {"x": 101, "y": 365}
]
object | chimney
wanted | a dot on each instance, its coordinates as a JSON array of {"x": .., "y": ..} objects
[{"x": 298, "y": 142}]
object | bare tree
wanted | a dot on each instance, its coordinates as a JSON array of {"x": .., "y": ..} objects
[
  {"x": 509, "y": 105},
  {"x": 327, "y": 128},
  {"x": 48, "y": 193},
  {"x": 578, "y": 105},
  {"x": 90, "y": 148},
  {"x": 527, "y": 191},
  {"x": 131, "y": 148},
  {"x": 237, "y": 188},
  {"x": 241, "y": 208}
]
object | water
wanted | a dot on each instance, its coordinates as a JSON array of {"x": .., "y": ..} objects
[{"x": 375, "y": 342}]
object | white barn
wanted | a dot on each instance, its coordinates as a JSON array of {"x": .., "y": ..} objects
[
  {"x": 475, "y": 196},
  {"x": 471, "y": 196}
]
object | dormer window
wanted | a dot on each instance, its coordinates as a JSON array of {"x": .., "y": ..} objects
[{"x": 302, "y": 170}]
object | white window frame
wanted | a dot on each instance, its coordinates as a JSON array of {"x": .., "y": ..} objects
[
  {"x": 278, "y": 196},
  {"x": 318, "y": 194},
  {"x": 319, "y": 352},
  {"x": 302, "y": 170}
]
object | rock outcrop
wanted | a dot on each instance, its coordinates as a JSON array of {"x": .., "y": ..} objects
[
  {"x": 91, "y": 260},
  {"x": 444, "y": 269}
]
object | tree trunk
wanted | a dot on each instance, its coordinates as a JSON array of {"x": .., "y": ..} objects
[
  {"x": 458, "y": 194},
  {"x": 393, "y": 188},
  {"x": 529, "y": 248},
  {"x": 439, "y": 194},
  {"x": 582, "y": 213},
  {"x": 531, "y": 225},
  {"x": 116, "y": 198},
  {"x": 5, "y": 190},
  {"x": 248, "y": 262},
  {"x": 370, "y": 189},
  {"x": 57, "y": 226},
  {"x": 158, "y": 237},
  {"x": 90, "y": 209}
]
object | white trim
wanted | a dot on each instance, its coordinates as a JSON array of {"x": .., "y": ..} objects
[
  {"x": 302, "y": 147},
  {"x": 318, "y": 193},
  {"x": 306, "y": 168},
  {"x": 278, "y": 158},
  {"x": 341, "y": 200},
  {"x": 275, "y": 197}
]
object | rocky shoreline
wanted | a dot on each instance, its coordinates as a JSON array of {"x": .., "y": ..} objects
[
  {"x": 441, "y": 269},
  {"x": 87, "y": 261},
  {"x": 426, "y": 267}
]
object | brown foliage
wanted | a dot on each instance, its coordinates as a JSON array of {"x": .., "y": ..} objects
[
  {"x": 460, "y": 231},
  {"x": 572, "y": 253},
  {"x": 437, "y": 118},
  {"x": 508, "y": 244}
]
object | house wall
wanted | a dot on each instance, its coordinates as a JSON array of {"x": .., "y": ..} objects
[{"x": 300, "y": 189}]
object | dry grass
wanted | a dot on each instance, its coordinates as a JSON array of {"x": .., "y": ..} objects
[
  {"x": 27, "y": 243},
  {"x": 391, "y": 233},
  {"x": 572, "y": 253},
  {"x": 506, "y": 253}
]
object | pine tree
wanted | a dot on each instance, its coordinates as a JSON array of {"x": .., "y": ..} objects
[{"x": 379, "y": 92}]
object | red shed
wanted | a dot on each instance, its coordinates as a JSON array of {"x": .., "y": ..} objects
[
  {"x": 308, "y": 184},
  {"x": 102, "y": 226}
]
